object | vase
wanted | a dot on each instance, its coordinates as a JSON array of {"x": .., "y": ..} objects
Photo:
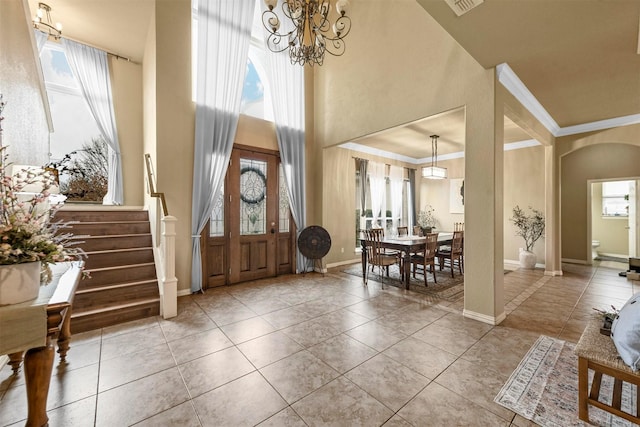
[
  {"x": 527, "y": 260},
  {"x": 19, "y": 282}
]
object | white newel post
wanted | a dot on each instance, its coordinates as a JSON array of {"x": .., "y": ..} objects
[{"x": 169, "y": 297}]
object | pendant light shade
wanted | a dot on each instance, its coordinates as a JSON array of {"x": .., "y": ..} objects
[{"x": 434, "y": 171}]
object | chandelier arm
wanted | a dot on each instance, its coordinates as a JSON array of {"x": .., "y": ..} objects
[{"x": 313, "y": 35}]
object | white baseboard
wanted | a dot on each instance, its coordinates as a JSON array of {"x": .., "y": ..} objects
[
  {"x": 491, "y": 320},
  {"x": 340, "y": 263},
  {"x": 574, "y": 261},
  {"x": 553, "y": 273},
  {"x": 613, "y": 255},
  {"x": 517, "y": 262},
  {"x": 184, "y": 292}
]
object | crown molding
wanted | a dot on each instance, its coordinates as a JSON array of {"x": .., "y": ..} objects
[
  {"x": 377, "y": 152},
  {"x": 514, "y": 85},
  {"x": 521, "y": 144},
  {"x": 600, "y": 125}
]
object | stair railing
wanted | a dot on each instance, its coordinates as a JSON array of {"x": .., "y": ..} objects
[{"x": 165, "y": 254}]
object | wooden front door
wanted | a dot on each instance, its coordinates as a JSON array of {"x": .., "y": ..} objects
[{"x": 250, "y": 234}]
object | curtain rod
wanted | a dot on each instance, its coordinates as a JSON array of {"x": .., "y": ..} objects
[{"x": 100, "y": 48}]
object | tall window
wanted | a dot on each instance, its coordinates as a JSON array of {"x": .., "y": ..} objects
[
  {"x": 76, "y": 148},
  {"x": 386, "y": 220},
  {"x": 72, "y": 121},
  {"x": 615, "y": 198},
  {"x": 256, "y": 93}
]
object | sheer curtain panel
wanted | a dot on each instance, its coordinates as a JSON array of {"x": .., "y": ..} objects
[
  {"x": 287, "y": 85},
  {"x": 91, "y": 69},
  {"x": 377, "y": 186},
  {"x": 224, "y": 31},
  {"x": 396, "y": 179},
  {"x": 362, "y": 167}
]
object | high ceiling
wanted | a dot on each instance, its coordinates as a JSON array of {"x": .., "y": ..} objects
[{"x": 579, "y": 58}]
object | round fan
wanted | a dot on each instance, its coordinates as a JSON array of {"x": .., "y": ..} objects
[{"x": 314, "y": 242}]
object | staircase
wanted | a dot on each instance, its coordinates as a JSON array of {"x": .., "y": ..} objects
[{"x": 123, "y": 284}]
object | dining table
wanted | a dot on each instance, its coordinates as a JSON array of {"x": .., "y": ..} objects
[{"x": 406, "y": 245}]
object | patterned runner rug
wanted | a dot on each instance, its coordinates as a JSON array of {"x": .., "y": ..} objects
[
  {"x": 544, "y": 388},
  {"x": 447, "y": 288}
]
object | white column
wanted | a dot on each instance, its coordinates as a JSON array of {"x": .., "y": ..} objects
[{"x": 169, "y": 282}]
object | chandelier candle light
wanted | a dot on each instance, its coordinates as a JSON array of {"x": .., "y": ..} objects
[
  {"x": 434, "y": 171},
  {"x": 43, "y": 19},
  {"x": 310, "y": 37}
]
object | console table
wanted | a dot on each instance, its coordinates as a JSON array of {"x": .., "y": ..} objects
[{"x": 30, "y": 327}]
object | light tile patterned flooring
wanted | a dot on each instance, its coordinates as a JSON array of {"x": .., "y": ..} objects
[{"x": 314, "y": 350}]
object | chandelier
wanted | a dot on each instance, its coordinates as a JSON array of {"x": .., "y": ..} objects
[
  {"x": 42, "y": 21},
  {"x": 434, "y": 171},
  {"x": 309, "y": 34}
]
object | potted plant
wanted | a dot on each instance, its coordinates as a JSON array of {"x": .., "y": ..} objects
[
  {"x": 426, "y": 220},
  {"x": 29, "y": 240},
  {"x": 530, "y": 228}
]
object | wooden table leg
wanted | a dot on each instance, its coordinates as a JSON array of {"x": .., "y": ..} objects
[
  {"x": 65, "y": 336},
  {"x": 38, "y": 364},
  {"x": 364, "y": 263},
  {"x": 15, "y": 359},
  {"x": 407, "y": 269}
]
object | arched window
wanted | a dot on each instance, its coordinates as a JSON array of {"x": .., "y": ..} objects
[{"x": 256, "y": 93}]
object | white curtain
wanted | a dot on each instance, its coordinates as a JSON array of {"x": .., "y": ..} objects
[
  {"x": 224, "y": 31},
  {"x": 396, "y": 180},
  {"x": 91, "y": 69},
  {"x": 377, "y": 186},
  {"x": 41, "y": 39},
  {"x": 287, "y": 85}
]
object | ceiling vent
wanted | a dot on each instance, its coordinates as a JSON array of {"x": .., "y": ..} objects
[{"x": 460, "y": 7}]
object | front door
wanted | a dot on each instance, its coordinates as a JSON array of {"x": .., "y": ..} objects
[
  {"x": 253, "y": 215},
  {"x": 250, "y": 234}
]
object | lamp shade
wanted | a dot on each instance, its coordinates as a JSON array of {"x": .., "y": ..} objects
[{"x": 434, "y": 172}]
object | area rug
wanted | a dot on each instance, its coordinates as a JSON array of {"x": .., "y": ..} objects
[
  {"x": 447, "y": 288},
  {"x": 544, "y": 388}
]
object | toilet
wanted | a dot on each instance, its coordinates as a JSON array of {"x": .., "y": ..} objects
[{"x": 594, "y": 246}]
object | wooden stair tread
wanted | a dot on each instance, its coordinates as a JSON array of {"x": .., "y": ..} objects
[
  {"x": 119, "y": 267},
  {"x": 115, "y": 286},
  {"x": 113, "y": 307},
  {"x": 111, "y": 251},
  {"x": 111, "y": 236}
]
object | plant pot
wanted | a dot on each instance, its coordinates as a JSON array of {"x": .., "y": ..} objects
[
  {"x": 19, "y": 282},
  {"x": 527, "y": 260}
]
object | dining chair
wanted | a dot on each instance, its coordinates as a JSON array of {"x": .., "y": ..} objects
[
  {"x": 375, "y": 255},
  {"x": 427, "y": 257},
  {"x": 458, "y": 226},
  {"x": 417, "y": 230},
  {"x": 403, "y": 231},
  {"x": 453, "y": 254}
]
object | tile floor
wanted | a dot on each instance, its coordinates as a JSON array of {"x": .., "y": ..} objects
[{"x": 314, "y": 350}]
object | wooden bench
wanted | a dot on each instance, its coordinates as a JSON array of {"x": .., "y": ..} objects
[{"x": 597, "y": 352}]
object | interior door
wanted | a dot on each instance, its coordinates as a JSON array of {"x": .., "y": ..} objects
[{"x": 253, "y": 215}]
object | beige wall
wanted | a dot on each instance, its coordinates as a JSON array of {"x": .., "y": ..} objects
[
  {"x": 436, "y": 192},
  {"x": 174, "y": 121},
  {"x": 26, "y": 125},
  {"x": 609, "y": 154},
  {"x": 524, "y": 185},
  {"x": 611, "y": 232},
  {"x": 126, "y": 83},
  {"x": 407, "y": 69}
]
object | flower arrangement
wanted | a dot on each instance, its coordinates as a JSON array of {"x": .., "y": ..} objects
[
  {"x": 426, "y": 218},
  {"x": 26, "y": 231},
  {"x": 530, "y": 227}
]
